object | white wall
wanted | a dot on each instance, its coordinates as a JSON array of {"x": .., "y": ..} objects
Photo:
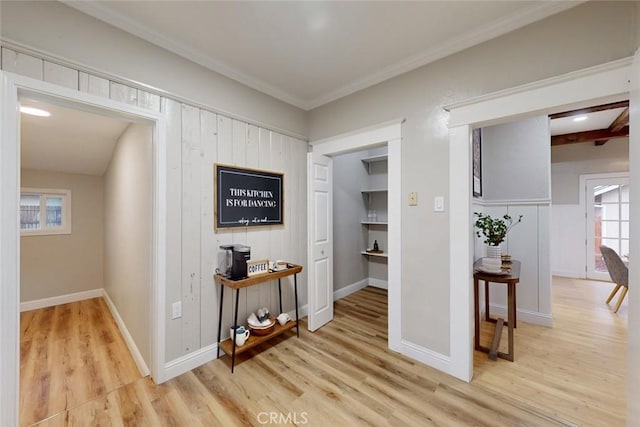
[
  {"x": 127, "y": 232},
  {"x": 349, "y": 209},
  {"x": 516, "y": 160},
  {"x": 65, "y": 263},
  {"x": 594, "y": 33},
  {"x": 69, "y": 34},
  {"x": 568, "y": 162}
]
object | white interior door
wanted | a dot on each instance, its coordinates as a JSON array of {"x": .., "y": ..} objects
[
  {"x": 607, "y": 204},
  {"x": 320, "y": 251}
]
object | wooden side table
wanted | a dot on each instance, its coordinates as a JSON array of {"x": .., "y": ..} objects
[
  {"x": 510, "y": 280},
  {"x": 229, "y": 345}
]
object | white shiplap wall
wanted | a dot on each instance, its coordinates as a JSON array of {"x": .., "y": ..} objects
[{"x": 196, "y": 139}]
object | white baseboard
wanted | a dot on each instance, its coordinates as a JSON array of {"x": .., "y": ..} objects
[
  {"x": 377, "y": 283},
  {"x": 128, "y": 339},
  {"x": 527, "y": 316},
  {"x": 190, "y": 361},
  {"x": 349, "y": 289},
  {"x": 61, "y": 299},
  {"x": 428, "y": 357},
  {"x": 568, "y": 273},
  {"x": 302, "y": 312}
]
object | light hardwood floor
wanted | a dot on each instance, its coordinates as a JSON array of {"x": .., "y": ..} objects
[
  {"x": 575, "y": 370},
  {"x": 343, "y": 374},
  {"x": 69, "y": 355}
]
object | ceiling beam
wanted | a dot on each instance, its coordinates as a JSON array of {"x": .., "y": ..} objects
[
  {"x": 590, "y": 135},
  {"x": 621, "y": 104},
  {"x": 620, "y": 122}
]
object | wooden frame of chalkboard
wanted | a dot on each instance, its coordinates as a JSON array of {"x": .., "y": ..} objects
[{"x": 245, "y": 197}]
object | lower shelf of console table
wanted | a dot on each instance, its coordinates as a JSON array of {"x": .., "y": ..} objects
[{"x": 254, "y": 340}]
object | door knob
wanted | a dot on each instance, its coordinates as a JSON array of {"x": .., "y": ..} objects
[{"x": 322, "y": 252}]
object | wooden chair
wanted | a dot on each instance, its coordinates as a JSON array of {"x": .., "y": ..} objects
[{"x": 619, "y": 273}]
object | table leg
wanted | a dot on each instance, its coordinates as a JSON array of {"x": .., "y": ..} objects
[
  {"x": 476, "y": 308},
  {"x": 486, "y": 301},
  {"x": 515, "y": 310},
  {"x": 235, "y": 324},
  {"x": 511, "y": 305},
  {"x": 220, "y": 319},
  {"x": 295, "y": 290},
  {"x": 280, "y": 294}
]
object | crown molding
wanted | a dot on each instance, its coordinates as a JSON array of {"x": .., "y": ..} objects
[
  {"x": 466, "y": 40},
  {"x": 536, "y": 12},
  {"x": 130, "y": 26}
]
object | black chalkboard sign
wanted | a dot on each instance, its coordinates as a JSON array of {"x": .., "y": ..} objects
[{"x": 247, "y": 197}]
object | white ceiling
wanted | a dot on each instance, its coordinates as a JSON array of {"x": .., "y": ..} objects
[
  {"x": 308, "y": 53},
  {"x": 70, "y": 141},
  {"x": 594, "y": 121}
]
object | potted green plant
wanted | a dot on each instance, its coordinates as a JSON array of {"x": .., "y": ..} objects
[{"x": 494, "y": 231}]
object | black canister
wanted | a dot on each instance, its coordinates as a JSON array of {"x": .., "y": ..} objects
[{"x": 241, "y": 254}]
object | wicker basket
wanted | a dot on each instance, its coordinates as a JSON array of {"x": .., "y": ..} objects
[{"x": 263, "y": 330}]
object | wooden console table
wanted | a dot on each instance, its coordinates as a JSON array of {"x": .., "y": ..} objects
[
  {"x": 510, "y": 280},
  {"x": 228, "y": 345}
]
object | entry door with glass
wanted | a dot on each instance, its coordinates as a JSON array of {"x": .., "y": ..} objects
[{"x": 607, "y": 222}]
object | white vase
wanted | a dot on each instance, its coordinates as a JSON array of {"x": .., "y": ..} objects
[{"x": 494, "y": 251}]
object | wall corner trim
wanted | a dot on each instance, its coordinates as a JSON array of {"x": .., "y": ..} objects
[
  {"x": 349, "y": 289},
  {"x": 128, "y": 339},
  {"x": 428, "y": 357},
  {"x": 61, "y": 299},
  {"x": 534, "y": 317},
  {"x": 377, "y": 283},
  {"x": 190, "y": 361}
]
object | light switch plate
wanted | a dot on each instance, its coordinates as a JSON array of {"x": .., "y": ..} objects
[
  {"x": 413, "y": 198},
  {"x": 176, "y": 310},
  {"x": 438, "y": 204}
]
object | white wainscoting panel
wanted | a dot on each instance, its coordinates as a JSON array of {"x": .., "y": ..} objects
[
  {"x": 21, "y": 63},
  {"x": 208, "y": 246},
  {"x": 60, "y": 75},
  {"x": 191, "y": 214},
  {"x": 528, "y": 242},
  {"x": 147, "y": 100},
  {"x": 173, "y": 112},
  {"x": 568, "y": 247},
  {"x": 94, "y": 85},
  {"x": 124, "y": 93}
]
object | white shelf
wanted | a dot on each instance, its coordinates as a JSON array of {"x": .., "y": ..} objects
[
  {"x": 375, "y": 190},
  {"x": 373, "y": 159},
  {"x": 382, "y": 255},
  {"x": 374, "y": 223}
]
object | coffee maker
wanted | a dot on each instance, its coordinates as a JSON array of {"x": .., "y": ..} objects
[{"x": 236, "y": 259}]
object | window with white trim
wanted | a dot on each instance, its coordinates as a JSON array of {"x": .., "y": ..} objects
[{"x": 45, "y": 211}]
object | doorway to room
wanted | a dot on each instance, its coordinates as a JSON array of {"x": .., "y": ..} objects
[
  {"x": 85, "y": 248},
  {"x": 600, "y": 85},
  {"x": 360, "y": 220},
  {"x": 13, "y": 91},
  {"x": 321, "y": 241}
]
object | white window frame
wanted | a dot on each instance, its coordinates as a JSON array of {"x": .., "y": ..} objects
[{"x": 66, "y": 211}]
